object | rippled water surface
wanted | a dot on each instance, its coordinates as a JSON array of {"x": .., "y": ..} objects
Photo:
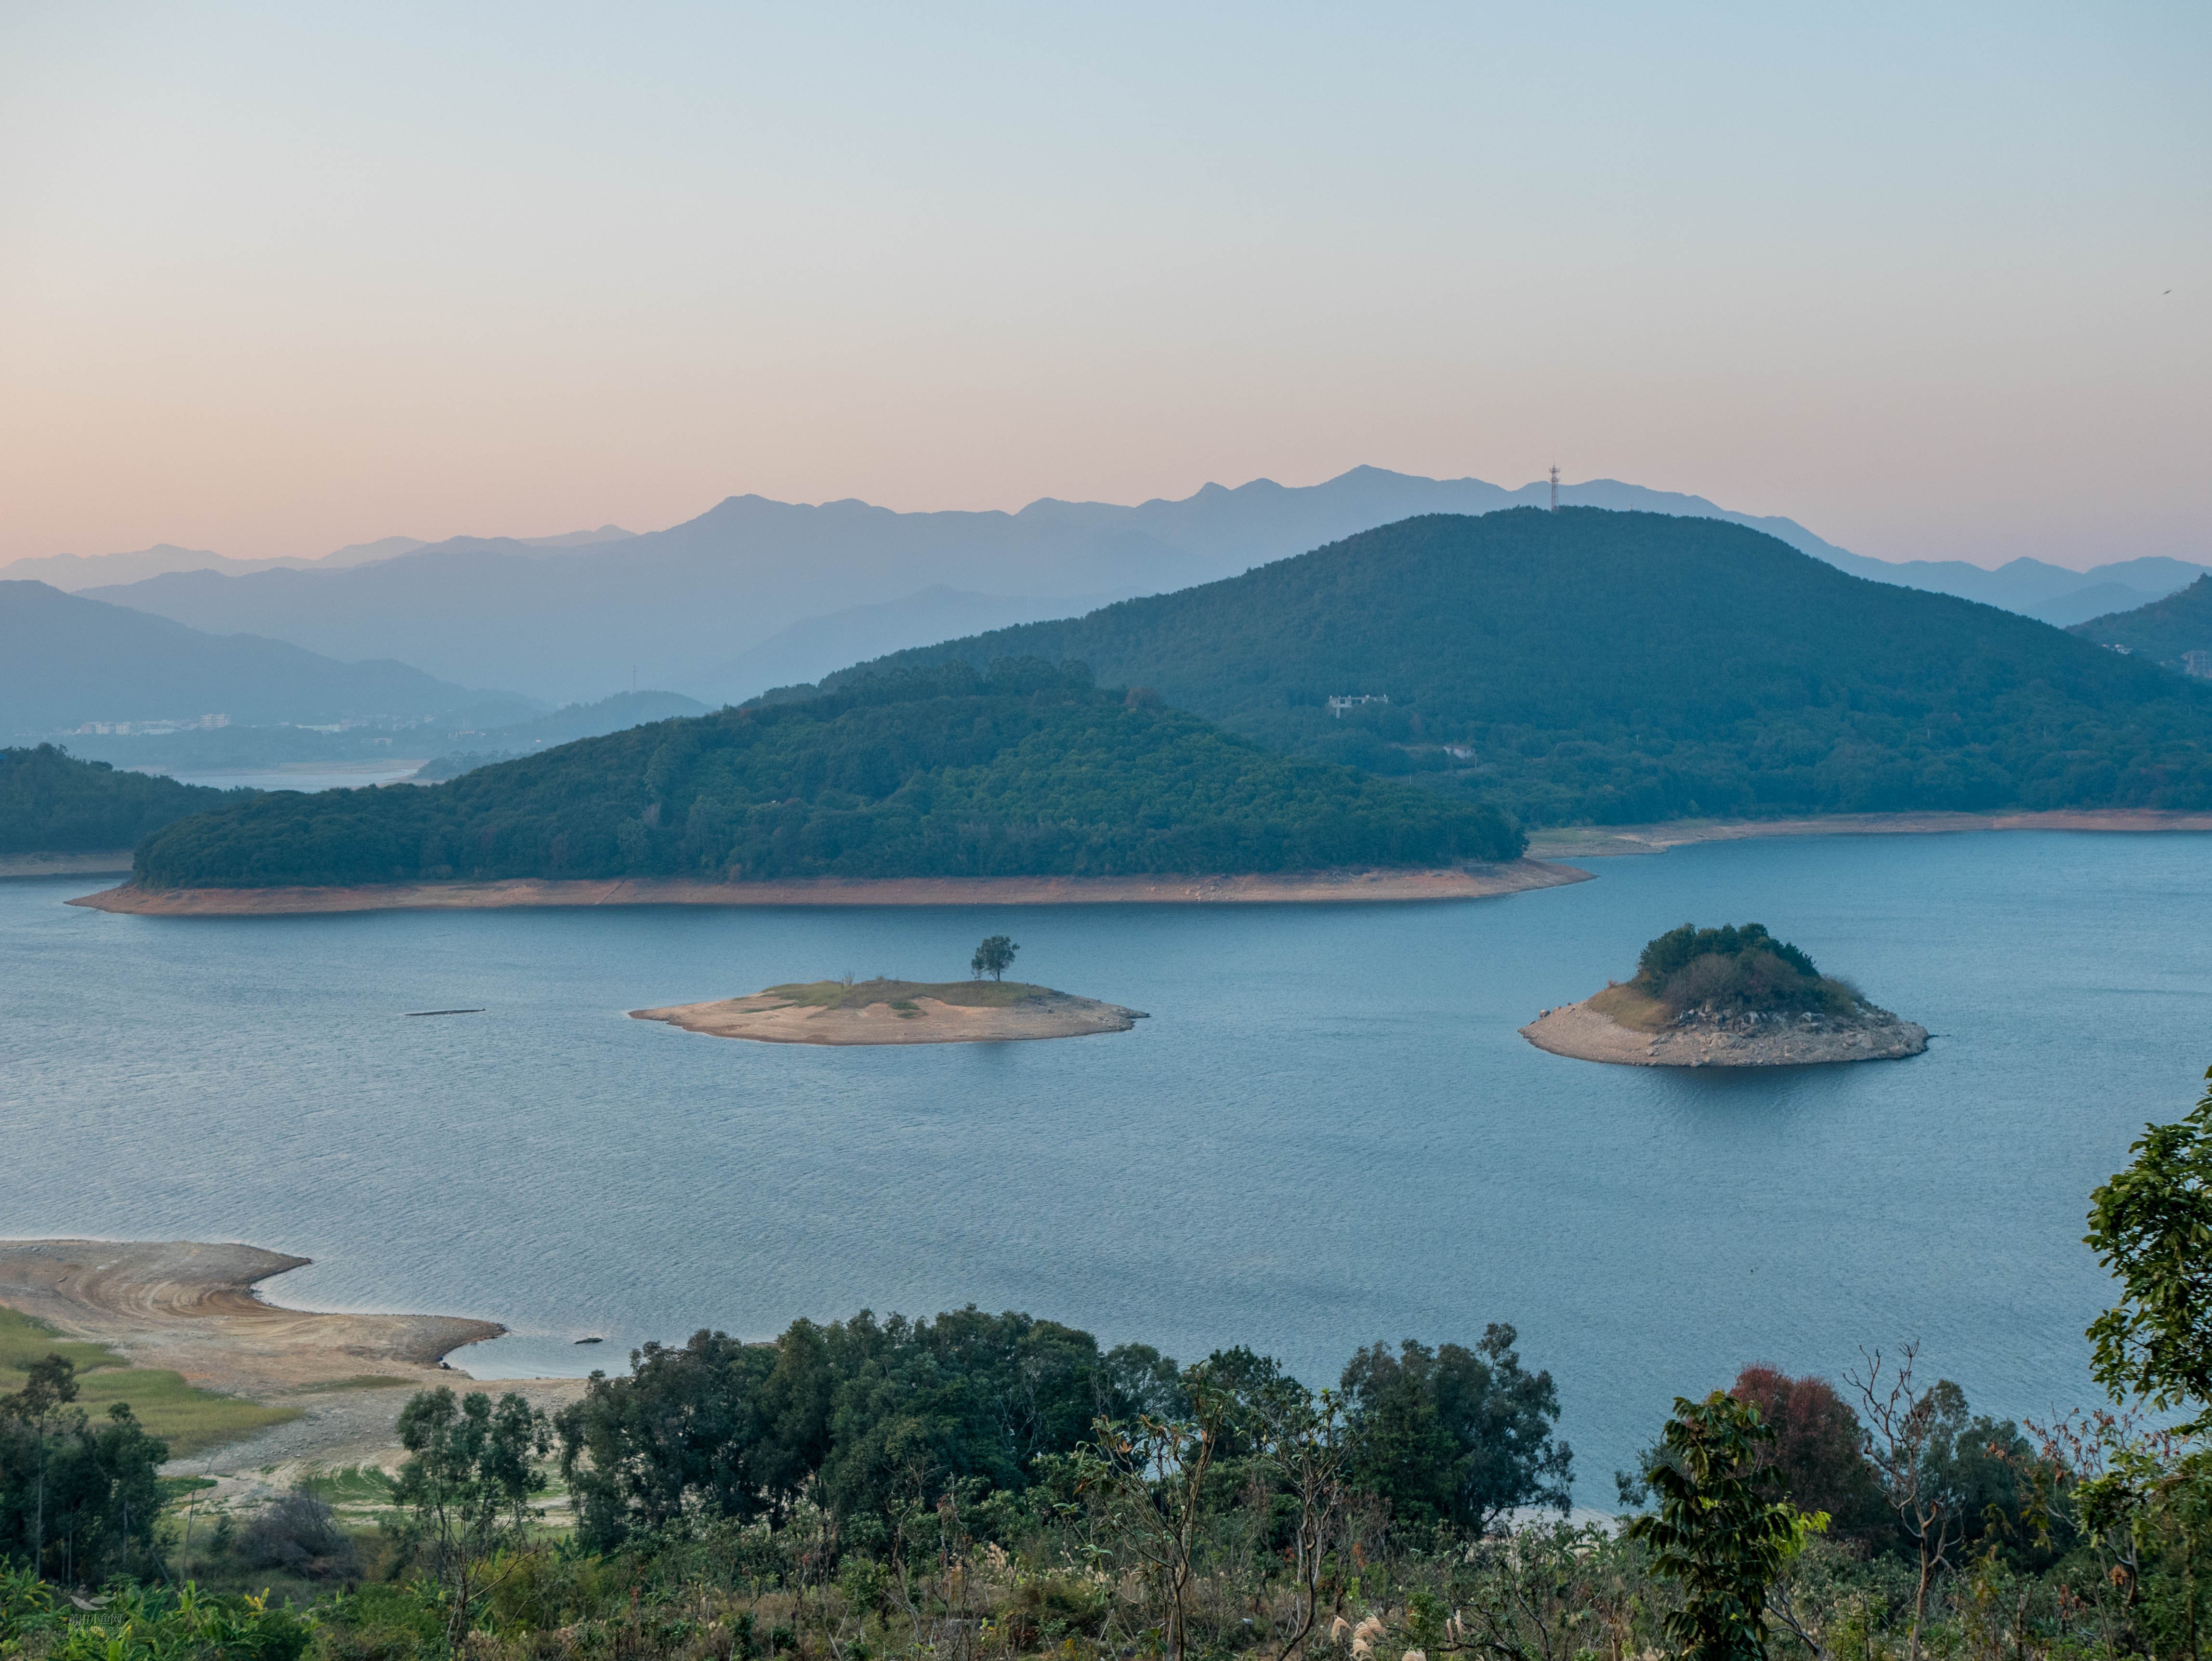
[{"x": 1329, "y": 1131}]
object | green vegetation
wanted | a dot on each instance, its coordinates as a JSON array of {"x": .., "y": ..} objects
[
  {"x": 187, "y": 1418},
  {"x": 858, "y": 994},
  {"x": 1617, "y": 667},
  {"x": 1725, "y": 971},
  {"x": 53, "y": 803},
  {"x": 939, "y": 772},
  {"x": 2162, "y": 630},
  {"x": 994, "y": 957}
]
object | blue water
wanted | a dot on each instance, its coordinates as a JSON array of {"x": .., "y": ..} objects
[{"x": 1329, "y": 1133}]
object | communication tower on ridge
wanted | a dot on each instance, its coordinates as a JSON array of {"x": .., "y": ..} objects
[{"x": 1555, "y": 488}]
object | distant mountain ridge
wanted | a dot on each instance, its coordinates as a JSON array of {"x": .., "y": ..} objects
[
  {"x": 684, "y": 607},
  {"x": 756, "y": 593},
  {"x": 66, "y": 660},
  {"x": 1626, "y": 666},
  {"x": 76, "y": 573}
]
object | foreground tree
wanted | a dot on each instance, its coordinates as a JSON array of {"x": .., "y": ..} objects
[
  {"x": 1716, "y": 1532},
  {"x": 1148, "y": 1477},
  {"x": 468, "y": 1486},
  {"x": 993, "y": 958},
  {"x": 1455, "y": 1435},
  {"x": 2151, "y": 1226}
]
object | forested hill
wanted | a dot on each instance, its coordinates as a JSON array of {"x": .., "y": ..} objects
[
  {"x": 53, "y": 803},
  {"x": 1628, "y": 666},
  {"x": 2162, "y": 630},
  {"x": 1028, "y": 771}
]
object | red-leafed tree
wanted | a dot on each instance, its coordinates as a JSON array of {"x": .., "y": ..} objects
[{"x": 1819, "y": 1447}]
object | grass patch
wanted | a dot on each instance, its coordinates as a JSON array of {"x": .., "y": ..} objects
[
  {"x": 189, "y": 1418},
  {"x": 966, "y": 995},
  {"x": 359, "y": 1381},
  {"x": 175, "y": 1488},
  {"x": 350, "y": 1485},
  {"x": 1631, "y": 1008}
]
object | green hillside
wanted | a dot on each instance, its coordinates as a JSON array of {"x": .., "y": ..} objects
[
  {"x": 2162, "y": 630},
  {"x": 1624, "y": 666},
  {"x": 939, "y": 772},
  {"x": 53, "y": 803}
]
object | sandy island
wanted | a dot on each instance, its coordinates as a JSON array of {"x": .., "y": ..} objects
[
  {"x": 1454, "y": 883},
  {"x": 1591, "y": 1035},
  {"x": 898, "y": 1012},
  {"x": 190, "y": 1307}
]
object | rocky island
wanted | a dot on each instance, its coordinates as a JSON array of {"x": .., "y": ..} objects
[
  {"x": 1725, "y": 997},
  {"x": 898, "y": 1012}
]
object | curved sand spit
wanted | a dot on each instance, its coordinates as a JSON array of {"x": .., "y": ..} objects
[
  {"x": 1588, "y": 1034},
  {"x": 1455, "y": 883},
  {"x": 192, "y": 1308},
  {"x": 772, "y": 1019}
]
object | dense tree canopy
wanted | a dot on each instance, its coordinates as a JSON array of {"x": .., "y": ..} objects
[
  {"x": 1737, "y": 968},
  {"x": 53, "y": 803},
  {"x": 1623, "y": 666},
  {"x": 1028, "y": 770}
]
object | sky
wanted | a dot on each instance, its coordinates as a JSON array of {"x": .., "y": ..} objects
[{"x": 276, "y": 278}]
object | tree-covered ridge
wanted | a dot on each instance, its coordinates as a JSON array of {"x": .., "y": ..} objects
[
  {"x": 53, "y": 803},
  {"x": 1623, "y": 666},
  {"x": 1028, "y": 770},
  {"x": 2162, "y": 630}
]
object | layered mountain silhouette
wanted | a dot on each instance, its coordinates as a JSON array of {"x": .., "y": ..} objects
[
  {"x": 1624, "y": 666},
  {"x": 66, "y": 660},
  {"x": 700, "y": 607}
]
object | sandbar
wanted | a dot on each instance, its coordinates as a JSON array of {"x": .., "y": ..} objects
[
  {"x": 1591, "y": 1035},
  {"x": 1449, "y": 883},
  {"x": 772, "y": 1017}
]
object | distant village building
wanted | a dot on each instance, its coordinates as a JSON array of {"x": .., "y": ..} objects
[
  {"x": 2198, "y": 664},
  {"x": 1338, "y": 706}
]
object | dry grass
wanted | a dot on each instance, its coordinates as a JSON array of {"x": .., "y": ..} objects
[
  {"x": 1629, "y": 1007},
  {"x": 189, "y": 1420},
  {"x": 965, "y": 994}
]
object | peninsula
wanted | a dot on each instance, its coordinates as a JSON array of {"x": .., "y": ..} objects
[
  {"x": 898, "y": 1012},
  {"x": 1725, "y": 997}
]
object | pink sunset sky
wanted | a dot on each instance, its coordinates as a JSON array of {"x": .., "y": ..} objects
[{"x": 277, "y": 278}]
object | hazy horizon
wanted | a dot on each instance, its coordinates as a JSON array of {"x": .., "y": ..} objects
[{"x": 283, "y": 279}]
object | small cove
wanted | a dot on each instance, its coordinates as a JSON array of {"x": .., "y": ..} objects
[{"x": 1330, "y": 1132}]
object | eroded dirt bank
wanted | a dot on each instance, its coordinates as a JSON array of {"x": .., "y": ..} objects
[
  {"x": 1473, "y": 882},
  {"x": 1590, "y": 1035}
]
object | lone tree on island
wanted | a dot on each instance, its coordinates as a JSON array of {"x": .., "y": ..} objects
[{"x": 993, "y": 958}]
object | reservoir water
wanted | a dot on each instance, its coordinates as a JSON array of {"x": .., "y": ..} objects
[{"x": 1329, "y": 1133}]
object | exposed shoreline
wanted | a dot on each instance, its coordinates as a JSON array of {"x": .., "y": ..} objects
[
  {"x": 191, "y": 1307},
  {"x": 766, "y": 1017},
  {"x": 1604, "y": 840},
  {"x": 112, "y": 862},
  {"x": 1475, "y": 882},
  {"x": 1584, "y": 1034}
]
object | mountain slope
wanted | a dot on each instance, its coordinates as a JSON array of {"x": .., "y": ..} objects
[
  {"x": 53, "y": 803},
  {"x": 2162, "y": 630},
  {"x": 1617, "y": 667},
  {"x": 1030, "y": 771},
  {"x": 65, "y": 659}
]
